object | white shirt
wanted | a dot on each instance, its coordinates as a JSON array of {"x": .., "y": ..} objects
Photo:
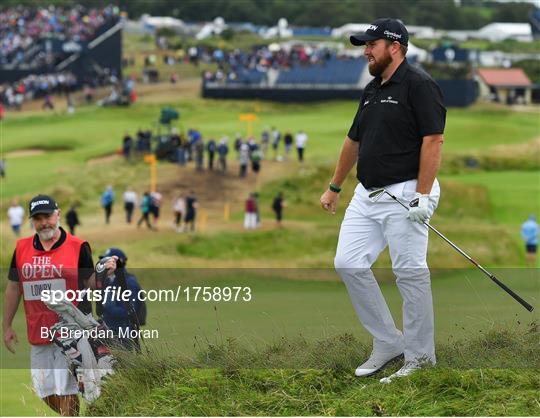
[
  {"x": 130, "y": 197},
  {"x": 156, "y": 198},
  {"x": 15, "y": 215},
  {"x": 301, "y": 139},
  {"x": 180, "y": 205}
]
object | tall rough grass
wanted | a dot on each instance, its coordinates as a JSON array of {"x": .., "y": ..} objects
[{"x": 494, "y": 373}]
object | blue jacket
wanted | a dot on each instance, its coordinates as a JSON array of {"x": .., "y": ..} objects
[
  {"x": 529, "y": 232},
  {"x": 115, "y": 313},
  {"x": 107, "y": 197}
]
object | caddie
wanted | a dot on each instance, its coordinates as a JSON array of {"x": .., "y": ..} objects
[{"x": 51, "y": 259}]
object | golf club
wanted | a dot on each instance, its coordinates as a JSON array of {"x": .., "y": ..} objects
[{"x": 377, "y": 194}]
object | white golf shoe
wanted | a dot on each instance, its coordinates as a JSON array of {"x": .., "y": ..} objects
[
  {"x": 376, "y": 362},
  {"x": 407, "y": 369}
]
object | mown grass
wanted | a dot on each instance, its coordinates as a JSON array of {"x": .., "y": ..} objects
[{"x": 296, "y": 377}]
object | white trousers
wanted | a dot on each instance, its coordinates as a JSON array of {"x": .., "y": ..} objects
[
  {"x": 250, "y": 220},
  {"x": 367, "y": 228}
]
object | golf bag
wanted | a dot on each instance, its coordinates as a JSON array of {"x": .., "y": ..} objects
[{"x": 89, "y": 359}]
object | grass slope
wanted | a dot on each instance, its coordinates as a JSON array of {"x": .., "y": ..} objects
[{"x": 296, "y": 378}]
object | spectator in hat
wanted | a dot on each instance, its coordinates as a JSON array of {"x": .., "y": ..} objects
[{"x": 118, "y": 314}]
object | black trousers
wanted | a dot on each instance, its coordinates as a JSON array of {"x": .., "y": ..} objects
[
  {"x": 129, "y": 206},
  {"x": 108, "y": 211}
]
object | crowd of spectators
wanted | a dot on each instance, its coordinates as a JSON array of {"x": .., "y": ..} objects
[
  {"x": 234, "y": 65},
  {"x": 24, "y": 26},
  {"x": 36, "y": 86},
  {"x": 213, "y": 153}
]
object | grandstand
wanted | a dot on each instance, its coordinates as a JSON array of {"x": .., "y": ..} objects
[
  {"x": 47, "y": 40},
  {"x": 312, "y": 73},
  {"x": 335, "y": 71}
]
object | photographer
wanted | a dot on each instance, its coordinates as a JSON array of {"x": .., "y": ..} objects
[{"x": 119, "y": 315}]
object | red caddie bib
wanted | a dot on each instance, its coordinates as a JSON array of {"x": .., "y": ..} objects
[{"x": 56, "y": 269}]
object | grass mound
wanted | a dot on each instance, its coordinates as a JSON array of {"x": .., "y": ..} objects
[{"x": 491, "y": 374}]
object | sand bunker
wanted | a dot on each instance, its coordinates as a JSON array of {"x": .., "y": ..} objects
[{"x": 29, "y": 152}]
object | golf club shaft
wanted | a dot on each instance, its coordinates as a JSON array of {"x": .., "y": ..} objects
[{"x": 516, "y": 297}]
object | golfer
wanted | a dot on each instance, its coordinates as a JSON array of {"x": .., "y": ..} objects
[
  {"x": 56, "y": 260},
  {"x": 395, "y": 140}
]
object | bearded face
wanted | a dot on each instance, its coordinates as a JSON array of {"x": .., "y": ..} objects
[
  {"x": 378, "y": 56},
  {"x": 377, "y": 65},
  {"x": 46, "y": 225}
]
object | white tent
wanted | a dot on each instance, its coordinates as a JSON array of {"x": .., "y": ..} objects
[
  {"x": 213, "y": 28},
  {"x": 500, "y": 31},
  {"x": 157, "y": 22}
]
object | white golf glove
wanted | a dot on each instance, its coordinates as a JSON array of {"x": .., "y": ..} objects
[{"x": 418, "y": 211}]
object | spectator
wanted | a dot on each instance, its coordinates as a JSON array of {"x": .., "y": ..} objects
[
  {"x": 265, "y": 140},
  {"x": 250, "y": 216},
  {"x": 276, "y": 137},
  {"x": 15, "y": 214},
  {"x": 72, "y": 218},
  {"x": 127, "y": 144},
  {"x": 301, "y": 139},
  {"x": 179, "y": 209},
  {"x": 107, "y": 201},
  {"x": 191, "y": 211},
  {"x": 288, "y": 141},
  {"x": 223, "y": 150},
  {"x": 155, "y": 204},
  {"x": 277, "y": 206},
  {"x": 256, "y": 161},
  {"x": 48, "y": 103},
  {"x": 244, "y": 159},
  {"x": 130, "y": 201},
  {"x": 199, "y": 154},
  {"x": 529, "y": 233},
  {"x": 145, "y": 211},
  {"x": 237, "y": 142},
  {"x": 70, "y": 104},
  {"x": 211, "y": 149}
]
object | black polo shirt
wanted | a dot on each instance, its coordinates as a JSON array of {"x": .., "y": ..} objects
[{"x": 390, "y": 123}]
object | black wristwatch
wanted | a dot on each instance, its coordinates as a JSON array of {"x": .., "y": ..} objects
[{"x": 334, "y": 188}]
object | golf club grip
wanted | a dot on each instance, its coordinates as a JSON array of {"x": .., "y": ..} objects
[{"x": 518, "y": 298}]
